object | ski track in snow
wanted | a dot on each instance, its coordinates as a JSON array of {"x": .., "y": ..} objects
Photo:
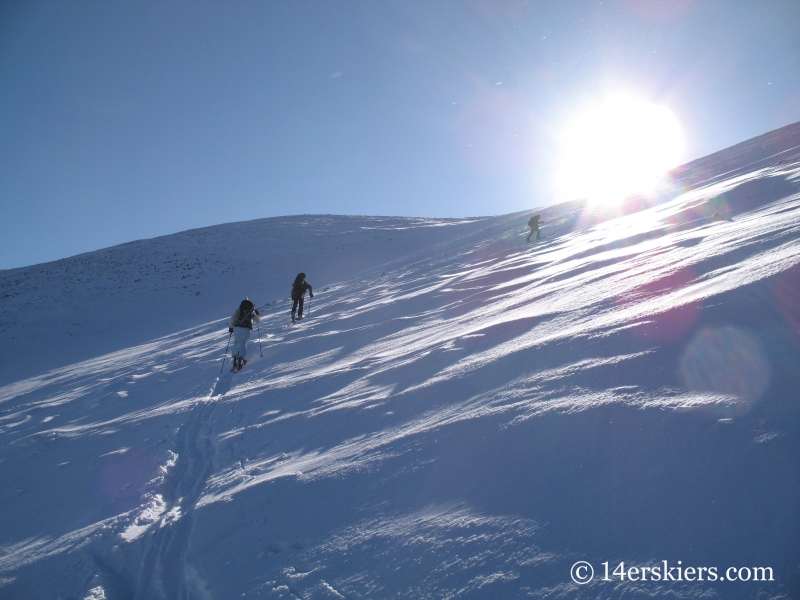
[{"x": 316, "y": 471}]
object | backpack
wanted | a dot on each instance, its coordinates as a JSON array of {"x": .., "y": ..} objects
[
  {"x": 244, "y": 314},
  {"x": 299, "y": 286}
]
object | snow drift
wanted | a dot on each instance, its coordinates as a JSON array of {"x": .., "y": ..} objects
[{"x": 461, "y": 416}]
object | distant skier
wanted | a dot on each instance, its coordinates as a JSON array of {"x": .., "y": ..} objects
[
  {"x": 533, "y": 223},
  {"x": 240, "y": 326},
  {"x": 299, "y": 288}
]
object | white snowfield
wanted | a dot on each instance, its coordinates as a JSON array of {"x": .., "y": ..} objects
[{"x": 460, "y": 415}]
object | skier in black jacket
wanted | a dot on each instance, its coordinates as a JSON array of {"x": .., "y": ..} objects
[
  {"x": 299, "y": 288},
  {"x": 533, "y": 223},
  {"x": 241, "y": 324}
]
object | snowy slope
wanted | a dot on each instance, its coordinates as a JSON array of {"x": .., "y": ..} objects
[
  {"x": 135, "y": 292},
  {"x": 464, "y": 417}
]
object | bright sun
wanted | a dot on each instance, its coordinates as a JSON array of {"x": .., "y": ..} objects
[{"x": 620, "y": 147}]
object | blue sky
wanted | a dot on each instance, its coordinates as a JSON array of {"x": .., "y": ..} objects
[{"x": 121, "y": 121}]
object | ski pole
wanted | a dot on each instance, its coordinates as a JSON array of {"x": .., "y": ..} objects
[
  {"x": 259, "y": 340},
  {"x": 308, "y": 312},
  {"x": 224, "y": 356}
]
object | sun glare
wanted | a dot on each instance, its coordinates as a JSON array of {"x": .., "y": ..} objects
[{"x": 618, "y": 148}]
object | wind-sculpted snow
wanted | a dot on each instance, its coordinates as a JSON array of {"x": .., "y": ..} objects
[
  {"x": 468, "y": 554},
  {"x": 174, "y": 282},
  {"x": 465, "y": 418}
]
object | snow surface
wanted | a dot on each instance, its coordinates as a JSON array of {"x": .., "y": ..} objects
[{"x": 461, "y": 415}]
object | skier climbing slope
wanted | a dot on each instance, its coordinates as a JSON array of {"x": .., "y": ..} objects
[
  {"x": 533, "y": 223},
  {"x": 241, "y": 325},
  {"x": 299, "y": 288}
]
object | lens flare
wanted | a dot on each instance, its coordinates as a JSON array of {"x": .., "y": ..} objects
[
  {"x": 726, "y": 360},
  {"x": 618, "y": 148}
]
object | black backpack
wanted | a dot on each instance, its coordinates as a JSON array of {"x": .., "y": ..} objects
[
  {"x": 299, "y": 286},
  {"x": 245, "y": 314}
]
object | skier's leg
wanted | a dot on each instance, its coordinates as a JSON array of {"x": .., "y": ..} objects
[
  {"x": 235, "y": 353},
  {"x": 300, "y": 312},
  {"x": 236, "y": 346},
  {"x": 240, "y": 337},
  {"x": 245, "y": 336},
  {"x": 528, "y": 239},
  {"x": 294, "y": 307}
]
